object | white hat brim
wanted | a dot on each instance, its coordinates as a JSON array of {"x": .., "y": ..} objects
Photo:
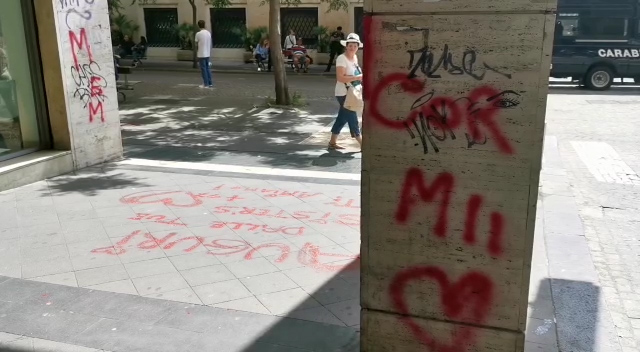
[{"x": 344, "y": 43}]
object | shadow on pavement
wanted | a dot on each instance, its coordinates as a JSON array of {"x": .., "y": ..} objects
[
  {"x": 578, "y": 315},
  {"x": 178, "y": 130},
  {"x": 328, "y": 321},
  {"x": 91, "y": 184}
]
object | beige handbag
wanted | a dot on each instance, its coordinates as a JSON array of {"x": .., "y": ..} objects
[{"x": 354, "y": 101}]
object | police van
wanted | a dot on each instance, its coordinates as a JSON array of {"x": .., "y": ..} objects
[{"x": 597, "y": 41}]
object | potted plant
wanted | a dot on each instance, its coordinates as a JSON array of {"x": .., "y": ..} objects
[
  {"x": 324, "y": 40},
  {"x": 250, "y": 38},
  {"x": 186, "y": 35}
]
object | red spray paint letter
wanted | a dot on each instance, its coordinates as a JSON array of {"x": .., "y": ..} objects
[
  {"x": 79, "y": 44},
  {"x": 415, "y": 182}
]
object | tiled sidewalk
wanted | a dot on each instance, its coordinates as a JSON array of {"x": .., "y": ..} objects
[{"x": 270, "y": 247}]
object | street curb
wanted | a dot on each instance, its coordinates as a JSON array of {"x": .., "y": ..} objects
[{"x": 163, "y": 69}]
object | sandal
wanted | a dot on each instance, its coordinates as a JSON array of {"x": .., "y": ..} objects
[{"x": 335, "y": 146}]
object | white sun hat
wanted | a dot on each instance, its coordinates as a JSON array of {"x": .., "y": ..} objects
[{"x": 352, "y": 38}]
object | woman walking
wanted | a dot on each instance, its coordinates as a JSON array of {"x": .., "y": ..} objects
[{"x": 348, "y": 73}]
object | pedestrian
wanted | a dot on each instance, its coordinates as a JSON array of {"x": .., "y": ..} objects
[
  {"x": 203, "y": 41},
  {"x": 335, "y": 47},
  {"x": 290, "y": 40},
  {"x": 348, "y": 73}
]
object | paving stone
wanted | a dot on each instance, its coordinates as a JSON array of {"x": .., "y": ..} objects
[
  {"x": 32, "y": 269},
  {"x": 347, "y": 311},
  {"x": 150, "y": 268},
  {"x": 193, "y": 260},
  {"x": 159, "y": 283},
  {"x": 252, "y": 267},
  {"x": 185, "y": 295},
  {"x": 283, "y": 302},
  {"x": 121, "y": 286},
  {"x": 317, "y": 314},
  {"x": 105, "y": 274},
  {"x": 268, "y": 283},
  {"x": 207, "y": 275},
  {"x": 248, "y": 304},
  {"x": 224, "y": 291},
  {"x": 67, "y": 279}
]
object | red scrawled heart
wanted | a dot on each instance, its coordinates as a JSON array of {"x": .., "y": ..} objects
[{"x": 468, "y": 300}]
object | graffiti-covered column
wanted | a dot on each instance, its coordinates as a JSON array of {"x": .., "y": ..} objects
[
  {"x": 89, "y": 81},
  {"x": 453, "y": 127}
]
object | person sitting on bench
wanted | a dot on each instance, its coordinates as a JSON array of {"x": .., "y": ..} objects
[
  {"x": 299, "y": 56},
  {"x": 126, "y": 49},
  {"x": 262, "y": 54},
  {"x": 140, "y": 50}
]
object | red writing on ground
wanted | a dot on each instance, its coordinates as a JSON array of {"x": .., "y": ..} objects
[
  {"x": 289, "y": 231},
  {"x": 345, "y": 203},
  {"x": 180, "y": 199},
  {"x": 468, "y": 300},
  {"x": 307, "y": 216},
  {"x": 310, "y": 255},
  {"x": 160, "y": 219}
]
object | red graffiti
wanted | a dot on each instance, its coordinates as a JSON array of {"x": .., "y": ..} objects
[
  {"x": 468, "y": 300},
  {"x": 309, "y": 216},
  {"x": 284, "y": 251},
  {"x": 96, "y": 92},
  {"x": 309, "y": 256},
  {"x": 289, "y": 231},
  {"x": 273, "y": 193},
  {"x": 443, "y": 186},
  {"x": 160, "y": 219},
  {"x": 180, "y": 199},
  {"x": 79, "y": 44},
  {"x": 414, "y": 181},
  {"x": 444, "y": 113},
  {"x": 341, "y": 203}
]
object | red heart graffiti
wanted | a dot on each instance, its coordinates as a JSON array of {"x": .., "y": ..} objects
[{"x": 468, "y": 300}]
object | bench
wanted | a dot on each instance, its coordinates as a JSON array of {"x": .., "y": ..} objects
[{"x": 124, "y": 85}]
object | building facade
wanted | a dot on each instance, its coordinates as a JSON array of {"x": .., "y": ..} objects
[
  {"x": 157, "y": 20},
  {"x": 58, "y": 100}
]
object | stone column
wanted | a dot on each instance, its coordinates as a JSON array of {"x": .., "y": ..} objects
[
  {"x": 80, "y": 79},
  {"x": 454, "y": 123}
]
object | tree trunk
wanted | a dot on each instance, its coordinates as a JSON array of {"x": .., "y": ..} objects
[
  {"x": 282, "y": 89},
  {"x": 194, "y": 20}
]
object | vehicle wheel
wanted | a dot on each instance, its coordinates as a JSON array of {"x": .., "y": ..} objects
[{"x": 599, "y": 78}]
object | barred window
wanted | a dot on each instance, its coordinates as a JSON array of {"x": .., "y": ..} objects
[
  {"x": 160, "y": 26},
  {"x": 224, "y": 26}
]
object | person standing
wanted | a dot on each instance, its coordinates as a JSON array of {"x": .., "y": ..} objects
[
  {"x": 203, "y": 41},
  {"x": 335, "y": 47},
  {"x": 348, "y": 73}
]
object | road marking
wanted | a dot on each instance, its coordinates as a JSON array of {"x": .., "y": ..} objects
[
  {"x": 241, "y": 169},
  {"x": 605, "y": 164}
]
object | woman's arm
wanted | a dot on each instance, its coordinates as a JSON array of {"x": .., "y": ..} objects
[{"x": 343, "y": 78}]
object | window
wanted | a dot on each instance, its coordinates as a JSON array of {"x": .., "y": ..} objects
[
  {"x": 302, "y": 21},
  {"x": 160, "y": 25},
  {"x": 358, "y": 21},
  {"x": 227, "y": 26},
  {"x": 21, "y": 108},
  {"x": 602, "y": 28}
]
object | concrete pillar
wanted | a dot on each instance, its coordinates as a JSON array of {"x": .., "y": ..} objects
[
  {"x": 77, "y": 60},
  {"x": 453, "y": 127}
]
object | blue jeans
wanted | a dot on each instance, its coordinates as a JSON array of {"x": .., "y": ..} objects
[
  {"x": 346, "y": 117},
  {"x": 206, "y": 71}
]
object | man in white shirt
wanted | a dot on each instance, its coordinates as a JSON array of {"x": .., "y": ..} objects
[{"x": 203, "y": 40}]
